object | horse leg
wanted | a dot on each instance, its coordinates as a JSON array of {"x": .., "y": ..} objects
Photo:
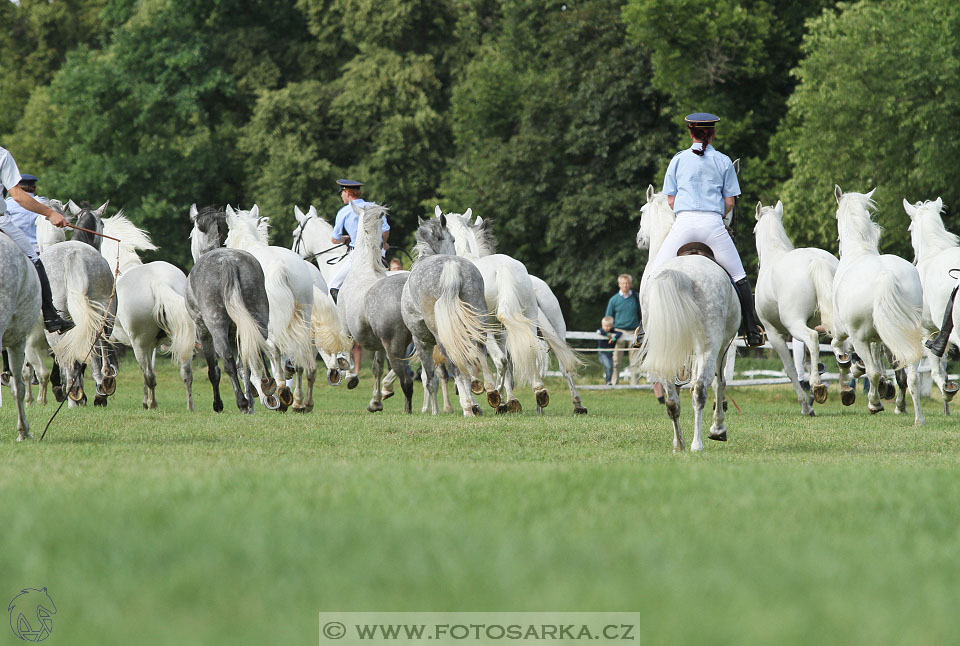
[
  {"x": 672, "y": 396},
  {"x": 311, "y": 373},
  {"x": 99, "y": 369},
  {"x": 867, "y": 353},
  {"x": 406, "y": 381},
  {"x": 495, "y": 397},
  {"x": 911, "y": 379},
  {"x": 578, "y": 408},
  {"x": 428, "y": 375},
  {"x": 841, "y": 352},
  {"x": 298, "y": 406},
  {"x": 467, "y": 402},
  {"x": 812, "y": 342},
  {"x": 780, "y": 345},
  {"x": 213, "y": 371},
  {"x": 186, "y": 374},
  {"x": 19, "y": 386},
  {"x": 143, "y": 351},
  {"x": 704, "y": 370},
  {"x": 718, "y": 430},
  {"x": 27, "y": 373},
  {"x": 230, "y": 366},
  {"x": 376, "y": 402}
]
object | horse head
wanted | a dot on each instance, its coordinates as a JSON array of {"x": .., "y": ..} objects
[
  {"x": 855, "y": 228},
  {"x": 656, "y": 219},
  {"x": 473, "y": 238},
  {"x": 209, "y": 230},
  {"x": 88, "y": 218},
  {"x": 927, "y": 233},
  {"x": 433, "y": 236}
]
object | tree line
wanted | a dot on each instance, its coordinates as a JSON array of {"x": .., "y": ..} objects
[{"x": 551, "y": 118}]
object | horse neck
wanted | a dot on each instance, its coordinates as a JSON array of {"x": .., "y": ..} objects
[
  {"x": 367, "y": 250},
  {"x": 852, "y": 243},
  {"x": 933, "y": 236},
  {"x": 772, "y": 240},
  {"x": 662, "y": 223}
]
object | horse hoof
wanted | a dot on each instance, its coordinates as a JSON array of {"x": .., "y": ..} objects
[
  {"x": 719, "y": 437},
  {"x": 353, "y": 382},
  {"x": 843, "y": 361},
  {"x": 493, "y": 398},
  {"x": 848, "y": 396},
  {"x": 476, "y": 386},
  {"x": 543, "y": 398},
  {"x": 821, "y": 368},
  {"x": 387, "y": 395},
  {"x": 100, "y": 400},
  {"x": 502, "y": 409},
  {"x": 6, "y": 379},
  {"x": 949, "y": 390},
  {"x": 514, "y": 406},
  {"x": 820, "y": 393},
  {"x": 285, "y": 396},
  {"x": 475, "y": 410},
  {"x": 887, "y": 390},
  {"x": 109, "y": 386},
  {"x": 874, "y": 411},
  {"x": 289, "y": 370},
  {"x": 375, "y": 407},
  {"x": 268, "y": 386},
  {"x": 859, "y": 369},
  {"x": 579, "y": 410},
  {"x": 76, "y": 394},
  {"x": 334, "y": 377},
  {"x": 343, "y": 364},
  {"x": 217, "y": 407},
  {"x": 24, "y": 436},
  {"x": 58, "y": 394}
]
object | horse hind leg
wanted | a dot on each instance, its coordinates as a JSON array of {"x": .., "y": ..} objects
[
  {"x": 780, "y": 346},
  {"x": 186, "y": 375},
  {"x": 704, "y": 370},
  {"x": 672, "y": 404},
  {"x": 18, "y": 388},
  {"x": 376, "y": 366},
  {"x": 914, "y": 390},
  {"x": 718, "y": 430}
]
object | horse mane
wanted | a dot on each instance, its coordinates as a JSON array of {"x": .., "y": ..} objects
[
  {"x": 486, "y": 239},
  {"x": 770, "y": 228},
  {"x": 209, "y": 219},
  {"x": 855, "y": 226},
  {"x": 656, "y": 220},
  {"x": 131, "y": 237},
  {"x": 928, "y": 223},
  {"x": 370, "y": 241}
]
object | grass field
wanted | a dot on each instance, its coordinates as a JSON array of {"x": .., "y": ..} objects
[{"x": 163, "y": 527}]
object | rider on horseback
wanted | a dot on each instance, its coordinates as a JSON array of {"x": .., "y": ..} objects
[{"x": 701, "y": 185}]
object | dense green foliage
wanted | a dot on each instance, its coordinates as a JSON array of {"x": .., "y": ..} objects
[
  {"x": 169, "y": 528},
  {"x": 549, "y": 117}
]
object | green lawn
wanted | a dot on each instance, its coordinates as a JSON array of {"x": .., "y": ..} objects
[{"x": 163, "y": 527}]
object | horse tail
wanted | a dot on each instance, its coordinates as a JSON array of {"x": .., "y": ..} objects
[
  {"x": 897, "y": 323},
  {"x": 527, "y": 355},
  {"x": 566, "y": 356},
  {"x": 170, "y": 313},
  {"x": 289, "y": 327},
  {"x": 251, "y": 343},
  {"x": 461, "y": 328},
  {"x": 87, "y": 315},
  {"x": 822, "y": 273},
  {"x": 673, "y": 327},
  {"x": 326, "y": 325}
]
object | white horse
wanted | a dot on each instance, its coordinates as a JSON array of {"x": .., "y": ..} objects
[
  {"x": 311, "y": 239},
  {"x": 517, "y": 352},
  {"x": 937, "y": 253},
  {"x": 794, "y": 291},
  {"x": 151, "y": 308},
  {"x": 877, "y": 300},
  {"x": 690, "y": 316},
  {"x": 290, "y": 293},
  {"x": 19, "y": 311}
]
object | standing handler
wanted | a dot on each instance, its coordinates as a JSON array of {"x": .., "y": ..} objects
[
  {"x": 702, "y": 187},
  {"x": 10, "y": 178}
]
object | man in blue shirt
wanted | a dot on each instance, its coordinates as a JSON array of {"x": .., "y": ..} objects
[
  {"x": 345, "y": 229},
  {"x": 624, "y": 308}
]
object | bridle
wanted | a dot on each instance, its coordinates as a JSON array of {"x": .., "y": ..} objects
[{"x": 299, "y": 242}]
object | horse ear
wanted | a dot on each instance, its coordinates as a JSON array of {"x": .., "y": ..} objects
[
  {"x": 436, "y": 211},
  {"x": 255, "y": 212},
  {"x": 297, "y": 213},
  {"x": 837, "y": 193},
  {"x": 312, "y": 211},
  {"x": 759, "y": 209},
  {"x": 909, "y": 208},
  {"x": 939, "y": 204},
  {"x": 650, "y": 193},
  {"x": 779, "y": 208},
  {"x": 103, "y": 209},
  {"x": 419, "y": 221},
  {"x": 73, "y": 207},
  {"x": 468, "y": 214},
  {"x": 193, "y": 212},
  {"x": 479, "y": 221},
  {"x": 230, "y": 211},
  {"x": 870, "y": 194}
]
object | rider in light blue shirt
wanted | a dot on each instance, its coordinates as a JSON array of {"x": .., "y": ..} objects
[{"x": 700, "y": 183}]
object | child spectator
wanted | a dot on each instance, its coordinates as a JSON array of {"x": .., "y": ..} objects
[{"x": 606, "y": 346}]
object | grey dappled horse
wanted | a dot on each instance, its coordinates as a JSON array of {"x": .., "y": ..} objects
[
  {"x": 370, "y": 302},
  {"x": 443, "y": 305},
  {"x": 227, "y": 300},
  {"x": 19, "y": 311}
]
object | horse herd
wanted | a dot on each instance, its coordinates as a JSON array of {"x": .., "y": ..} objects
[
  {"x": 875, "y": 307},
  {"x": 264, "y": 312}
]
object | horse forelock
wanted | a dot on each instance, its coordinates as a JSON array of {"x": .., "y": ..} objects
[{"x": 854, "y": 225}]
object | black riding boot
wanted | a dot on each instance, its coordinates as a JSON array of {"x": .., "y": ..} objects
[
  {"x": 748, "y": 327},
  {"x": 939, "y": 345},
  {"x": 52, "y": 320},
  {"x": 333, "y": 293}
]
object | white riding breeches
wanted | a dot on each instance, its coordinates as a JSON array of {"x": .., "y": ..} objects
[
  {"x": 705, "y": 227},
  {"x": 343, "y": 268},
  {"x": 8, "y": 227}
]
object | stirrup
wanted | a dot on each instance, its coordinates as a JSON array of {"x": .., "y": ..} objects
[{"x": 746, "y": 338}]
